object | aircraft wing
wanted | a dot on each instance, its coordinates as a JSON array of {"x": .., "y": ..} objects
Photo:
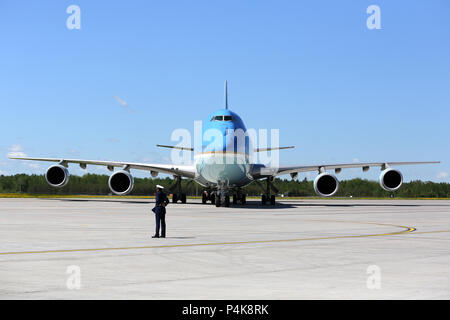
[
  {"x": 179, "y": 170},
  {"x": 262, "y": 171}
]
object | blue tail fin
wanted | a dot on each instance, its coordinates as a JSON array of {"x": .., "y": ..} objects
[{"x": 226, "y": 94}]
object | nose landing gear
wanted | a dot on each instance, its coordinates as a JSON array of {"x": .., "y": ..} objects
[{"x": 221, "y": 197}]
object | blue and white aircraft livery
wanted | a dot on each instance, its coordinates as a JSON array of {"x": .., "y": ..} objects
[{"x": 223, "y": 165}]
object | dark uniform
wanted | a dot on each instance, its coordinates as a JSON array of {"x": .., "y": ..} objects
[{"x": 160, "y": 213}]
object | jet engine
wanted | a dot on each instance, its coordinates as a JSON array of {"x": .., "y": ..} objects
[
  {"x": 390, "y": 179},
  {"x": 326, "y": 184},
  {"x": 121, "y": 182},
  {"x": 57, "y": 176}
]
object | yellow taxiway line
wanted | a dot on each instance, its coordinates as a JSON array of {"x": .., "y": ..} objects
[{"x": 406, "y": 230}]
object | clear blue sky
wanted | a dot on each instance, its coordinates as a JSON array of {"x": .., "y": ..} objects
[{"x": 336, "y": 90}]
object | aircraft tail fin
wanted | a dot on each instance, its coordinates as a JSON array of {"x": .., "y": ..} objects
[{"x": 226, "y": 94}]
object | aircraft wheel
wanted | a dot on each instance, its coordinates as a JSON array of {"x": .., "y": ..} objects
[
  {"x": 218, "y": 202},
  {"x": 213, "y": 198},
  {"x": 227, "y": 201},
  {"x": 243, "y": 199},
  {"x": 204, "y": 198},
  {"x": 235, "y": 198},
  {"x": 272, "y": 200},
  {"x": 183, "y": 198},
  {"x": 174, "y": 198},
  {"x": 263, "y": 199}
]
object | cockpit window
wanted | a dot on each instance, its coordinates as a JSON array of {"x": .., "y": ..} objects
[{"x": 222, "y": 118}]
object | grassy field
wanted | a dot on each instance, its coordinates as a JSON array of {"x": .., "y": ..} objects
[{"x": 28, "y": 195}]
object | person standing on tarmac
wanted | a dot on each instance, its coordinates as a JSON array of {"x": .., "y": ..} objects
[{"x": 161, "y": 202}]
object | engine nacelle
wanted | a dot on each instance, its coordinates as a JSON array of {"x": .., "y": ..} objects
[
  {"x": 57, "y": 176},
  {"x": 121, "y": 182},
  {"x": 390, "y": 179},
  {"x": 154, "y": 174},
  {"x": 326, "y": 184}
]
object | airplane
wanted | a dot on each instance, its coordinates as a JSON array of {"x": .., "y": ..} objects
[{"x": 223, "y": 170}]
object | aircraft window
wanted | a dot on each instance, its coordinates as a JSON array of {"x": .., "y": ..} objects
[{"x": 222, "y": 118}]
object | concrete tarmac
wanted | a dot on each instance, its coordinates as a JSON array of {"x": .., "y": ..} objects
[{"x": 302, "y": 249}]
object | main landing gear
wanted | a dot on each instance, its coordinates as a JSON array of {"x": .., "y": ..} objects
[
  {"x": 178, "y": 194},
  {"x": 239, "y": 197},
  {"x": 208, "y": 195},
  {"x": 267, "y": 197}
]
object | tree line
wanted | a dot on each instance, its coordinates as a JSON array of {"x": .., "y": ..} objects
[{"x": 94, "y": 184}]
